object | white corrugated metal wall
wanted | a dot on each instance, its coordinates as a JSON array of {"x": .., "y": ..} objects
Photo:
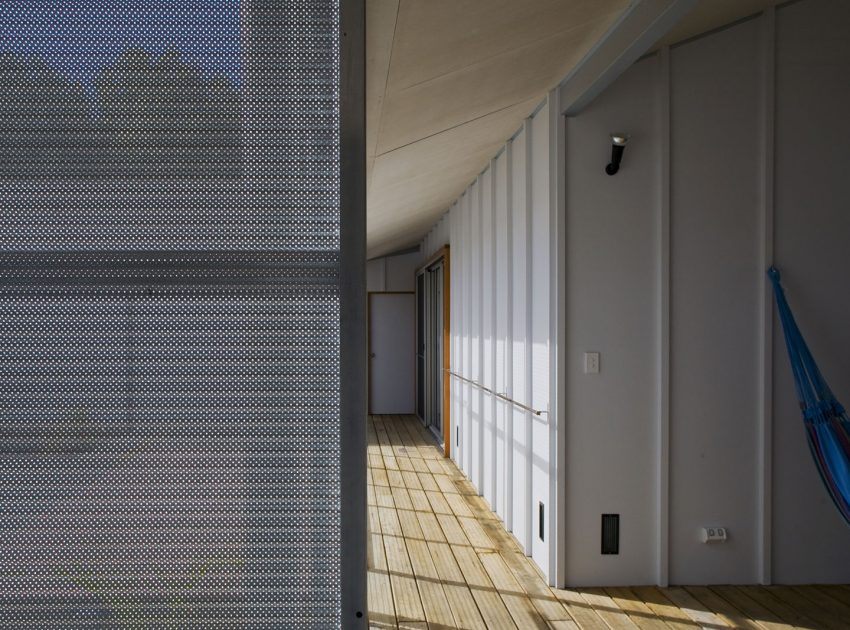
[{"x": 498, "y": 232}]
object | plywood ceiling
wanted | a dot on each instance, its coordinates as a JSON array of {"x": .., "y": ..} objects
[{"x": 449, "y": 81}]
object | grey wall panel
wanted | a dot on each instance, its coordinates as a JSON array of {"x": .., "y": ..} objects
[
  {"x": 376, "y": 274},
  {"x": 811, "y": 543},
  {"x": 612, "y": 258},
  {"x": 716, "y": 281},
  {"x": 401, "y": 272},
  {"x": 721, "y": 109}
]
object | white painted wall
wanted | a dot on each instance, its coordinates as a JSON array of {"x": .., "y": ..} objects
[
  {"x": 715, "y": 289},
  {"x": 498, "y": 232},
  {"x": 725, "y": 171},
  {"x": 518, "y": 368},
  {"x": 812, "y": 217},
  {"x": 376, "y": 274},
  {"x": 392, "y": 273},
  {"x": 612, "y": 308},
  {"x": 737, "y": 158}
]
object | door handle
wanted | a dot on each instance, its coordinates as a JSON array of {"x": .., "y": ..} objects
[{"x": 371, "y": 355}]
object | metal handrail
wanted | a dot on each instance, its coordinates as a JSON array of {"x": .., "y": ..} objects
[{"x": 536, "y": 412}]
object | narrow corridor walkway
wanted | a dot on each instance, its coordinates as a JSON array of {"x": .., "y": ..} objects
[{"x": 440, "y": 559}]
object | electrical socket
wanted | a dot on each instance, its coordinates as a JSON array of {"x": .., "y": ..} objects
[
  {"x": 714, "y": 534},
  {"x": 591, "y": 363}
]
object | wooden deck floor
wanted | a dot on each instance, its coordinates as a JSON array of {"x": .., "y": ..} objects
[{"x": 439, "y": 559}]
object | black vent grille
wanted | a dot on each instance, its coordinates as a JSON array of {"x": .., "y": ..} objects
[
  {"x": 541, "y": 521},
  {"x": 610, "y": 534}
]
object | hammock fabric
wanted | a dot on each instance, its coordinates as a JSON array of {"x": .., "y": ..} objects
[{"x": 826, "y": 421}]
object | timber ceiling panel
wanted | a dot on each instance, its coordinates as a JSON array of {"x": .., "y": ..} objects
[{"x": 448, "y": 82}]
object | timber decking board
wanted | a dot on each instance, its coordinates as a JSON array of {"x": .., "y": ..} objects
[
  {"x": 439, "y": 558},
  {"x": 751, "y": 608},
  {"x": 664, "y": 609},
  {"x": 640, "y": 614},
  {"x": 723, "y": 609}
]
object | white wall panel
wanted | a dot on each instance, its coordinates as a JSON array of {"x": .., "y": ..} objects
[
  {"x": 401, "y": 272},
  {"x": 465, "y": 252},
  {"x": 393, "y": 273},
  {"x": 539, "y": 330},
  {"x": 729, "y": 387},
  {"x": 811, "y": 543},
  {"x": 488, "y": 364},
  {"x": 520, "y": 341},
  {"x": 443, "y": 237},
  {"x": 716, "y": 283},
  {"x": 477, "y": 346},
  {"x": 500, "y": 336},
  {"x": 376, "y": 274},
  {"x": 611, "y": 283},
  {"x": 501, "y": 303},
  {"x": 455, "y": 331}
]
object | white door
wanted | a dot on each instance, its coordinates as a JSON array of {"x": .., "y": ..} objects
[{"x": 392, "y": 353}]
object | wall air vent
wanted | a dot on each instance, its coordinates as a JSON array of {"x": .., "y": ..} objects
[
  {"x": 610, "y": 534},
  {"x": 541, "y": 521}
]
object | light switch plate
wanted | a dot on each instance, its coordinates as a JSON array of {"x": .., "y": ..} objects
[{"x": 591, "y": 363}]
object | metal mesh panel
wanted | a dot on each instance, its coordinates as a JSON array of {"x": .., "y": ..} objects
[{"x": 169, "y": 314}]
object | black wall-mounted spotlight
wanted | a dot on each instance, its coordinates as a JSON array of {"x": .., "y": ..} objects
[{"x": 618, "y": 145}]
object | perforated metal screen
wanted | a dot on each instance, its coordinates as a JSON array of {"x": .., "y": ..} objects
[{"x": 169, "y": 314}]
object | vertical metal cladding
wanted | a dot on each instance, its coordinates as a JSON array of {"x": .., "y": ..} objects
[{"x": 169, "y": 314}]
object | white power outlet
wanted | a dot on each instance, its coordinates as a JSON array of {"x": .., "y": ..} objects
[
  {"x": 591, "y": 363},
  {"x": 714, "y": 534}
]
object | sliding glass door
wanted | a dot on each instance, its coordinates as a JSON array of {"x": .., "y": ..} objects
[
  {"x": 430, "y": 359},
  {"x": 421, "y": 348}
]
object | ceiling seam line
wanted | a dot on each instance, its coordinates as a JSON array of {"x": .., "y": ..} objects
[
  {"x": 386, "y": 84},
  {"x": 466, "y": 122},
  {"x": 502, "y": 53}
]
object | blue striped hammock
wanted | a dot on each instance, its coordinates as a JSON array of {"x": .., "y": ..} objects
[{"x": 826, "y": 422}]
